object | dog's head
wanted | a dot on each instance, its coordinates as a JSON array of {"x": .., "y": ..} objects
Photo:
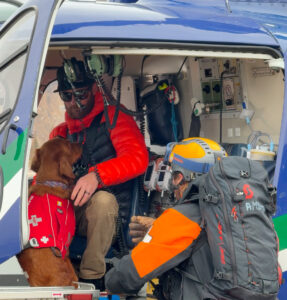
[{"x": 55, "y": 159}]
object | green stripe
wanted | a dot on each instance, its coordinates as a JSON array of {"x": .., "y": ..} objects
[
  {"x": 13, "y": 160},
  {"x": 280, "y": 226}
]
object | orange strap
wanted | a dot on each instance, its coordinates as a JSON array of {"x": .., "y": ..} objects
[{"x": 170, "y": 234}]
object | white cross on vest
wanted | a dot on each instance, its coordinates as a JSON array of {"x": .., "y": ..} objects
[
  {"x": 34, "y": 220},
  {"x": 44, "y": 239}
]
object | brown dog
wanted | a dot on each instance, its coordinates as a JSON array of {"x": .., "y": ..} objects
[{"x": 50, "y": 266}]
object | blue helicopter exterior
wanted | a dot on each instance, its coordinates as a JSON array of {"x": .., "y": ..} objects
[{"x": 157, "y": 23}]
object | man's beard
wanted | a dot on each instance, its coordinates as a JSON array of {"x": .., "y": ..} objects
[{"x": 75, "y": 112}]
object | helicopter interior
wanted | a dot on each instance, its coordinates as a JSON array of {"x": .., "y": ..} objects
[{"x": 228, "y": 97}]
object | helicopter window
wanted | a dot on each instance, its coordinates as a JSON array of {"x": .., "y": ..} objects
[
  {"x": 50, "y": 113},
  {"x": 14, "y": 45},
  {"x": 6, "y": 9}
]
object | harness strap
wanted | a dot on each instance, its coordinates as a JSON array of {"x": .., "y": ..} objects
[
  {"x": 56, "y": 252},
  {"x": 188, "y": 275},
  {"x": 185, "y": 193}
]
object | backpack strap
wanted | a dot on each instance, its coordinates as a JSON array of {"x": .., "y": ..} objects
[
  {"x": 218, "y": 275},
  {"x": 191, "y": 199},
  {"x": 201, "y": 240},
  {"x": 186, "y": 192},
  {"x": 188, "y": 275},
  {"x": 273, "y": 194}
]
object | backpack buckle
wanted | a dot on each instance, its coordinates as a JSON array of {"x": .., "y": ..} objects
[
  {"x": 272, "y": 190},
  {"x": 211, "y": 198},
  {"x": 244, "y": 174},
  {"x": 238, "y": 196},
  {"x": 273, "y": 194},
  {"x": 223, "y": 276},
  {"x": 219, "y": 275}
]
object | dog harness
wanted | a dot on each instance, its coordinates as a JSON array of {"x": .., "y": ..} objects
[{"x": 51, "y": 221}]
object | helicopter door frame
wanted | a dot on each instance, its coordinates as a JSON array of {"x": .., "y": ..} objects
[{"x": 24, "y": 42}]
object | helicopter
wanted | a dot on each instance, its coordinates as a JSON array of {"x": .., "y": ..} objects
[{"x": 226, "y": 63}]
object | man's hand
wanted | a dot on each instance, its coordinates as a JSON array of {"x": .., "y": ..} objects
[
  {"x": 84, "y": 189},
  {"x": 139, "y": 226}
]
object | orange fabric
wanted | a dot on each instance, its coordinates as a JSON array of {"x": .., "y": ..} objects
[{"x": 170, "y": 234}]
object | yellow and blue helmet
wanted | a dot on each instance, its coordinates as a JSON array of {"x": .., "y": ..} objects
[{"x": 193, "y": 155}]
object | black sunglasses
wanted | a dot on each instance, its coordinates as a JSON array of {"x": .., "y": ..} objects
[{"x": 79, "y": 94}]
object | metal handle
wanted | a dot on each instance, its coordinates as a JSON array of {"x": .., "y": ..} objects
[{"x": 6, "y": 134}]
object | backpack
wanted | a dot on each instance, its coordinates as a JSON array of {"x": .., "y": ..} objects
[{"x": 237, "y": 203}]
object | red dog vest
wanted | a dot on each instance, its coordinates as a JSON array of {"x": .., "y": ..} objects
[{"x": 52, "y": 222}]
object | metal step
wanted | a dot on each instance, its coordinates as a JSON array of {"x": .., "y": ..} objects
[{"x": 50, "y": 292}]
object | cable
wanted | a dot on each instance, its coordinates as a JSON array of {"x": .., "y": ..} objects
[
  {"x": 109, "y": 98},
  {"x": 221, "y": 105},
  {"x": 108, "y": 123},
  {"x": 253, "y": 139},
  {"x": 181, "y": 66}
]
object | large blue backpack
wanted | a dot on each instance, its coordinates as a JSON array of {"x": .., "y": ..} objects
[{"x": 237, "y": 203}]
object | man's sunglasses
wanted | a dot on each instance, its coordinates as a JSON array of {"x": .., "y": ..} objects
[{"x": 79, "y": 94}]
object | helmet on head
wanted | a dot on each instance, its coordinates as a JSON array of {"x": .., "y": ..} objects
[
  {"x": 193, "y": 155},
  {"x": 72, "y": 75}
]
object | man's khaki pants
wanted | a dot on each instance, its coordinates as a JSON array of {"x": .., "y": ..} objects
[{"x": 97, "y": 221}]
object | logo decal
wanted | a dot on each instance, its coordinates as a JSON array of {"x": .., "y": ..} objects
[
  {"x": 34, "y": 220},
  {"x": 254, "y": 205},
  {"x": 247, "y": 191},
  {"x": 44, "y": 240}
]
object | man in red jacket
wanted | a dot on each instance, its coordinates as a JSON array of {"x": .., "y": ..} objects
[{"x": 111, "y": 158}]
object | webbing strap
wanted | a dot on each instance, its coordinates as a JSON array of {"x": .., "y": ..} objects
[{"x": 188, "y": 275}]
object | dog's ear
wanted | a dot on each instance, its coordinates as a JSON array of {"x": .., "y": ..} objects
[
  {"x": 36, "y": 161},
  {"x": 65, "y": 168}
]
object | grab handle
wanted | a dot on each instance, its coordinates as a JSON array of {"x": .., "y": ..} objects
[{"x": 6, "y": 134}]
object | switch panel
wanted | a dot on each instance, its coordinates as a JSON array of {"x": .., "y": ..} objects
[{"x": 211, "y": 71}]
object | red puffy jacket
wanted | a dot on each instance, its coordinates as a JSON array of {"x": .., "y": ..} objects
[{"x": 131, "y": 153}]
